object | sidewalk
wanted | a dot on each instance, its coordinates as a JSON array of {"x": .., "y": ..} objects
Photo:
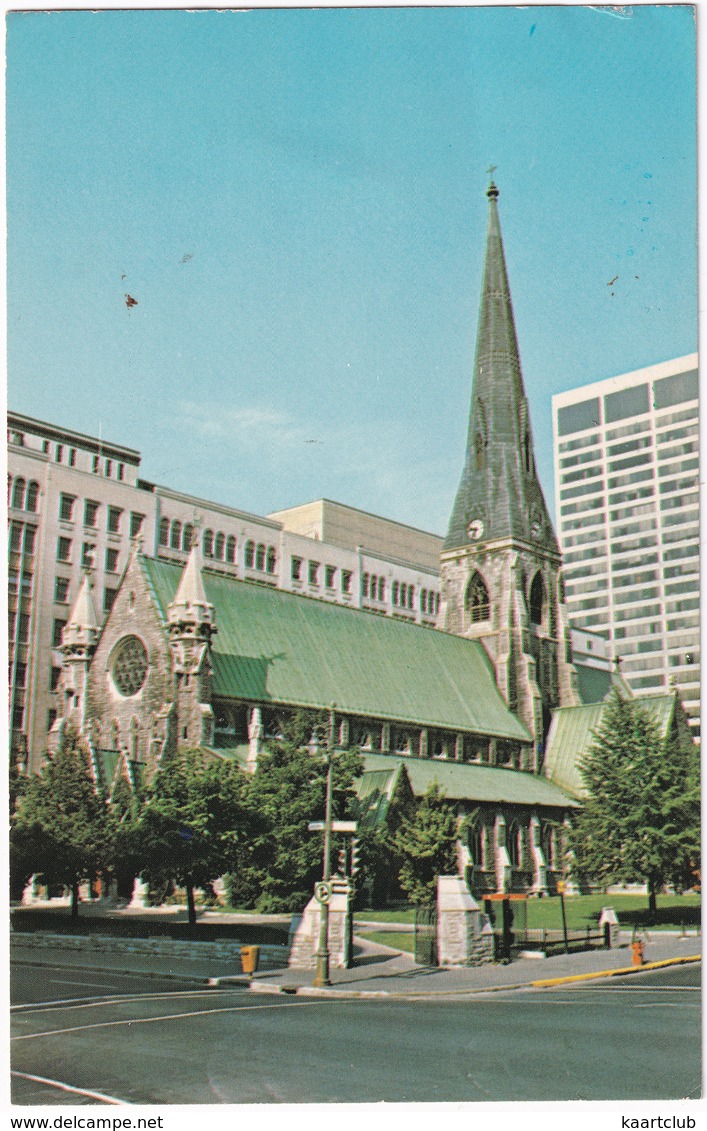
[{"x": 378, "y": 971}]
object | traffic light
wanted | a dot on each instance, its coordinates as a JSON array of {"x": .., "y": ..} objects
[
  {"x": 342, "y": 861},
  {"x": 355, "y": 852}
]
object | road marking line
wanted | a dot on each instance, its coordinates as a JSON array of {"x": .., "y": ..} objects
[
  {"x": 68, "y": 1088},
  {"x": 66, "y": 982},
  {"x": 165, "y": 1017},
  {"x": 114, "y": 999}
]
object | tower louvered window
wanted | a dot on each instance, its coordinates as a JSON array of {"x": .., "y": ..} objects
[
  {"x": 537, "y": 600},
  {"x": 478, "y": 604}
]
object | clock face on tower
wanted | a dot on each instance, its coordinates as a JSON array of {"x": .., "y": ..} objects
[
  {"x": 128, "y": 667},
  {"x": 536, "y": 527},
  {"x": 475, "y": 529}
]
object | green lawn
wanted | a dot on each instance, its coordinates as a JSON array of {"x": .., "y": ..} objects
[
  {"x": 674, "y": 912},
  {"x": 398, "y": 940}
]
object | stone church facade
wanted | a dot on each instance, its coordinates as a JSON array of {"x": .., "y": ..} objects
[{"x": 190, "y": 658}]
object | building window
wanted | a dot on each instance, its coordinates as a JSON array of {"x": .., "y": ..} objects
[
  {"x": 365, "y": 582},
  {"x": 108, "y": 468},
  {"x": 88, "y": 551},
  {"x": 329, "y": 575},
  {"x": 219, "y": 546},
  {"x": 478, "y": 604},
  {"x": 136, "y": 521},
  {"x": 95, "y": 465},
  {"x": 296, "y": 569},
  {"x": 54, "y": 678},
  {"x": 63, "y": 550},
  {"x": 72, "y": 457},
  {"x": 346, "y": 579},
  {"x": 59, "y": 453},
  {"x": 121, "y": 471},
  {"x": 175, "y": 537},
  {"x": 90, "y": 513},
  {"x": 313, "y": 574},
  {"x": 537, "y": 599},
  {"x": 66, "y": 507},
  {"x": 396, "y": 593},
  {"x": 270, "y": 561},
  {"x": 114, "y": 514},
  {"x": 249, "y": 555},
  {"x": 111, "y": 560},
  {"x": 57, "y": 632},
  {"x": 208, "y": 543},
  {"x": 109, "y": 597},
  {"x": 164, "y": 532},
  {"x": 32, "y": 497},
  {"x": 381, "y": 589},
  {"x": 61, "y": 590},
  {"x": 23, "y": 628},
  {"x": 18, "y": 494},
  {"x": 260, "y": 557},
  {"x": 231, "y": 549}
]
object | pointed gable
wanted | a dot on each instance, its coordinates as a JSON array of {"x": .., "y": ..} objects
[
  {"x": 82, "y": 628},
  {"x": 499, "y": 494}
]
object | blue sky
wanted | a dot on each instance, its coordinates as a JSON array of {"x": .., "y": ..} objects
[{"x": 297, "y": 201}]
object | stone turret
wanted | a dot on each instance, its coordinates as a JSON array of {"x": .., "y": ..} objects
[
  {"x": 191, "y": 626},
  {"x": 78, "y": 643},
  {"x": 500, "y": 565}
]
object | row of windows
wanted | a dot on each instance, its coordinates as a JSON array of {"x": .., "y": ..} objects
[
  {"x": 23, "y": 538},
  {"x": 314, "y": 574},
  {"x": 373, "y": 586},
  {"x": 91, "y": 508},
  {"x": 21, "y": 495}
]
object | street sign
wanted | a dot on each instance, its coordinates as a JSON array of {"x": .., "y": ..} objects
[
  {"x": 322, "y": 892},
  {"x": 336, "y": 826}
]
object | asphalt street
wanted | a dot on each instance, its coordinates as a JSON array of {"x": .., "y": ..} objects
[{"x": 80, "y": 1037}]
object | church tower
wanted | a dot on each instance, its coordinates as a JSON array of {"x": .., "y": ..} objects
[
  {"x": 500, "y": 565},
  {"x": 191, "y": 625}
]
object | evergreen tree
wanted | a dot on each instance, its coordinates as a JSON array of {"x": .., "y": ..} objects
[
  {"x": 60, "y": 828},
  {"x": 640, "y": 822},
  {"x": 427, "y": 841}
]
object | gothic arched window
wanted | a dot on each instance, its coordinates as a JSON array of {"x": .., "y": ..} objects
[
  {"x": 187, "y": 536},
  {"x": 260, "y": 556},
  {"x": 537, "y": 599},
  {"x": 230, "y": 549},
  {"x": 208, "y": 543},
  {"x": 164, "y": 532},
  {"x": 270, "y": 560},
  {"x": 176, "y": 536},
  {"x": 249, "y": 555},
  {"x": 219, "y": 546},
  {"x": 478, "y": 604}
]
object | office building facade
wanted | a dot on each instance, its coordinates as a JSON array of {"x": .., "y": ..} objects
[{"x": 627, "y": 498}]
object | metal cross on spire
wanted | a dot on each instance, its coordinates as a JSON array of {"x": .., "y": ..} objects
[{"x": 491, "y": 170}]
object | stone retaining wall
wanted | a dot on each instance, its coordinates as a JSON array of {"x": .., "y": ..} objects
[{"x": 272, "y": 957}]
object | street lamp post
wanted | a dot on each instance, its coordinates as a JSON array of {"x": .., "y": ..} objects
[{"x": 321, "y": 977}]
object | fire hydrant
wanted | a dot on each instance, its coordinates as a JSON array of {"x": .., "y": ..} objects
[{"x": 637, "y": 946}]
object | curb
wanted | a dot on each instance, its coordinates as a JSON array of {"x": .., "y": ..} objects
[
  {"x": 621, "y": 970},
  {"x": 199, "y": 979}
]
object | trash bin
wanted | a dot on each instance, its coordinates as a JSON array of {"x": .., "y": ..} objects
[{"x": 250, "y": 956}]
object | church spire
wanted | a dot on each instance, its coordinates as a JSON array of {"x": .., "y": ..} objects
[{"x": 499, "y": 494}]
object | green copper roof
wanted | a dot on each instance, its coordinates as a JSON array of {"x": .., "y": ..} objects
[
  {"x": 572, "y": 733},
  {"x": 375, "y": 790},
  {"x": 499, "y": 485},
  {"x": 274, "y": 646},
  {"x": 462, "y": 781}
]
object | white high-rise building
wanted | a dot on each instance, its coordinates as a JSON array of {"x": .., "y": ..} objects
[{"x": 626, "y": 489}]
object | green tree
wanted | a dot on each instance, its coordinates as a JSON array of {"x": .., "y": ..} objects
[
  {"x": 640, "y": 821},
  {"x": 60, "y": 828},
  {"x": 427, "y": 841},
  {"x": 288, "y": 791},
  {"x": 194, "y": 824}
]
